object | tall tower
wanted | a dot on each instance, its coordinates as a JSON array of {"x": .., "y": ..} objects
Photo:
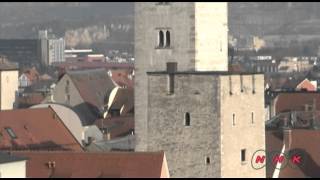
[
  {"x": 208, "y": 121},
  {"x": 192, "y": 35}
]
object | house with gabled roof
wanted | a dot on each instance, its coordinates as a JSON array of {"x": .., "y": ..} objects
[
  {"x": 36, "y": 129},
  {"x": 88, "y": 92}
]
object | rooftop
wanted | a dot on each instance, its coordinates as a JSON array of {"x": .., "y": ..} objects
[
  {"x": 6, "y": 65},
  {"x": 88, "y": 164},
  {"x": 35, "y": 129},
  {"x": 203, "y": 73}
]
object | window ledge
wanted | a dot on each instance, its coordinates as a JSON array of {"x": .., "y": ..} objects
[
  {"x": 243, "y": 163},
  {"x": 164, "y": 48}
]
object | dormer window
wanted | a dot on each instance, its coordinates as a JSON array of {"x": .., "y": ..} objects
[{"x": 11, "y": 133}]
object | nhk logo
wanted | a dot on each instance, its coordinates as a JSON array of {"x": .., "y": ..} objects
[{"x": 279, "y": 160}]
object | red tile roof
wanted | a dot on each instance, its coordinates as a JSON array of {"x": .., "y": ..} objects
[
  {"x": 32, "y": 74},
  {"x": 30, "y": 99},
  {"x": 94, "y": 64},
  {"x": 81, "y": 164},
  {"x": 93, "y": 85},
  {"x": 296, "y": 101},
  {"x": 35, "y": 129},
  {"x": 306, "y": 85},
  {"x": 116, "y": 126},
  {"x": 305, "y": 141}
]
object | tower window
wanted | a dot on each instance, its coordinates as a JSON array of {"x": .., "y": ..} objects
[
  {"x": 171, "y": 69},
  {"x": 170, "y": 83},
  {"x": 252, "y": 117},
  {"x": 207, "y": 160},
  {"x": 168, "y": 39},
  {"x": 187, "y": 119},
  {"x": 243, "y": 155},
  {"x": 233, "y": 119},
  {"x": 160, "y": 39}
]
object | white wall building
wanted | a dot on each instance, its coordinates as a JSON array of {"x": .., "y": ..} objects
[
  {"x": 12, "y": 166},
  {"x": 9, "y": 76}
]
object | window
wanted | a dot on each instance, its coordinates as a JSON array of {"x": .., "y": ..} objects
[
  {"x": 187, "y": 119},
  {"x": 171, "y": 69},
  {"x": 168, "y": 39},
  {"x": 164, "y": 38},
  {"x": 252, "y": 117},
  {"x": 171, "y": 84},
  {"x": 161, "y": 39},
  {"x": 207, "y": 160},
  {"x": 243, "y": 155},
  {"x": 241, "y": 83},
  {"x": 253, "y": 85},
  {"x": 11, "y": 133},
  {"x": 233, "y": 119}
]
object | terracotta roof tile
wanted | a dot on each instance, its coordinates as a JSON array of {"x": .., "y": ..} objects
[
  {"x": 296, "y": 101},
  {"x": 116, "y": 126},
  {"x": 309, "y": 148},
  {"x": 80, "y": 164},
  {"x": 94, "y": 85},
  {"x": 35, "y": 129}
]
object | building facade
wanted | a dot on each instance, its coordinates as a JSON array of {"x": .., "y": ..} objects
[
  {"x": 176, "y": 32},
  {"x": 26, "y": 52},
  {"x": 8, "y": 85},
  {"x": 56, "y": 50},
  {"x": 208, "y": 121}
]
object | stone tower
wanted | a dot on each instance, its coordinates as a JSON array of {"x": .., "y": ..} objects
[
  {"x": 194, "y": 35},
  {"x": 209, "y": 121}
]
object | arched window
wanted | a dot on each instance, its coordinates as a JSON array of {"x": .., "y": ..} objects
[
  {"x": 161, "y": 39},
  {"x": 168, "y": 39},
  {"x": 187, "y": 119}
]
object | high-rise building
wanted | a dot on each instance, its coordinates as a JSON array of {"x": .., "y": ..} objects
[
  {"x": 56, "y": 50},
  {"x": 52, "y": 49},
  {"x": 208, "y": 121}
]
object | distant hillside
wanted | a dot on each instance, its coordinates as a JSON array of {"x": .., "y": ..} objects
[
  {"x": 82, "y": 24},
  {"x": 110, "y": 24},
  {"x": 270, "y": 18}
]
